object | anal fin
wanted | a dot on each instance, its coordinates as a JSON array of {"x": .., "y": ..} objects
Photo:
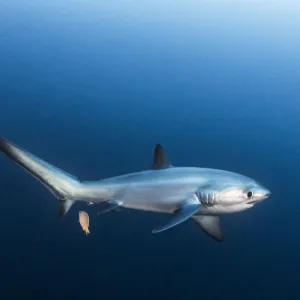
[
  {"x": 185, "y": 211},
  {"x": 110, "y": 205},
  {"x": 211, "y": 225}
]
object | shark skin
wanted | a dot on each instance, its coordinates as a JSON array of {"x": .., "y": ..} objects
[{"x": 201, "y": 194}]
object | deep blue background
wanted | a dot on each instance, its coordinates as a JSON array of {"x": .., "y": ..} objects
[{"x": 91, "y": 86}]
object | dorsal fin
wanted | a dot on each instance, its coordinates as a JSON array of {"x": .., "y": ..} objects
[{"x": 160, "y": 158}]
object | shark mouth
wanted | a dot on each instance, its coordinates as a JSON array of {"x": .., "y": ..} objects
[{"x": 253, "y": 202}]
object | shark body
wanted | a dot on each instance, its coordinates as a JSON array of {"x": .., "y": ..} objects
[{"x": 202, "y": 194}]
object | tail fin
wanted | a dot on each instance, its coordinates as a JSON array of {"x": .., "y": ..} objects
[{"x": 61, "y": 184}]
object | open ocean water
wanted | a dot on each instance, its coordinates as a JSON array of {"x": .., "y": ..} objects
[{"x": 92, "y": 86}]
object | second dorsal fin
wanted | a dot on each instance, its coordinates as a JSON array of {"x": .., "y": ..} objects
[{"x": 160, "y": 158}]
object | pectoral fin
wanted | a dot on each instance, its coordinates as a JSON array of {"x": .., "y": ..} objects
[
  {"x": 180, "y": 215},
  {"x": 110, "y": 205},
  {"x": 210, "y": 225}
]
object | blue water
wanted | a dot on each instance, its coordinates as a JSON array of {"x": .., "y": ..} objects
[{"x": 92, "y": 86}]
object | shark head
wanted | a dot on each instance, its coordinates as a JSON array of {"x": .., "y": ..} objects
[
  {"x": 232, "y": 192},
  {"x": 249, "y": 194},
  {"x": 241, "y": 194}
]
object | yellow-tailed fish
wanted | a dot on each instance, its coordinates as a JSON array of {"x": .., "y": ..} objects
[{"x": 84, "y": 221}]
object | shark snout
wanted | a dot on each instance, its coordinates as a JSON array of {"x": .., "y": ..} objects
[
  {"x": 265, "y": 193},
  {"x": 268, "y": 194},
  {"x": 259, "y": 195}
]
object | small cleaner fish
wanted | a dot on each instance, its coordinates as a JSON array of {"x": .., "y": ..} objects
[{"x": 84, "y": 221}]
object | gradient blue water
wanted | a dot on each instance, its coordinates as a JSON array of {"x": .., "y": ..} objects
[{"x": 91, "y": 86}]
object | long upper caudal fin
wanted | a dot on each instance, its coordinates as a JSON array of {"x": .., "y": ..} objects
[
  {"x": 160, "y": 158},
  {"x": 210, "y": 225},
  {"x": 185, "y": 211},
  {"x": 61, "y": 184}
]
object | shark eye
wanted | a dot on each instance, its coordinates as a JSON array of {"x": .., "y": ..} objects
[{"x": 249, "y": 195}]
